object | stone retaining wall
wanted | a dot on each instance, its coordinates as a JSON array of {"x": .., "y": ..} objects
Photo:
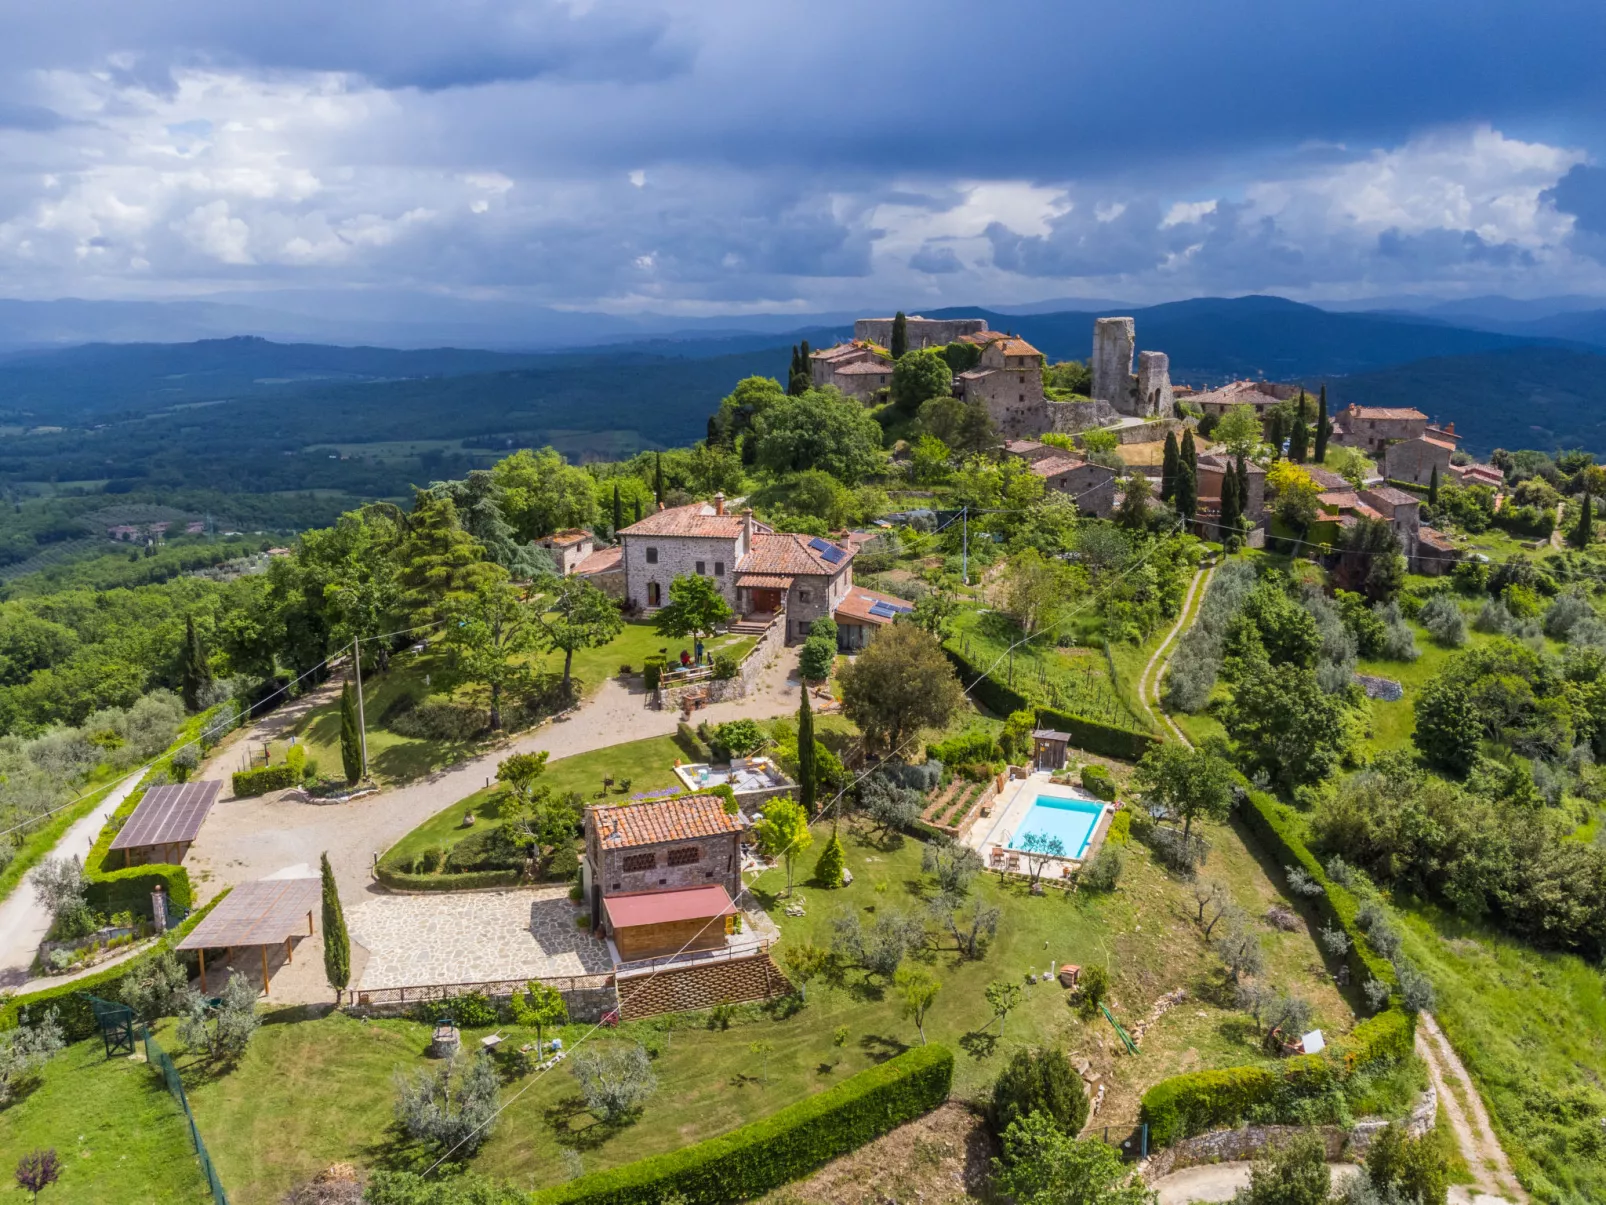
[
  {"x": 585, "y": 1004},
  {"x": 1246, "y": 1142},
  {"x": 757, "y": 660}
]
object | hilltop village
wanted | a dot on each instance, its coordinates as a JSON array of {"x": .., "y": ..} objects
[{"x": 956, "y": 775}]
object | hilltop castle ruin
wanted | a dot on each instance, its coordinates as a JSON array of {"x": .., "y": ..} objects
[{"x": 1144, "y": 394}]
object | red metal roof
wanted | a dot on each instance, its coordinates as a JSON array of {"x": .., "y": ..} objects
[{"x": 664, "y": 907}]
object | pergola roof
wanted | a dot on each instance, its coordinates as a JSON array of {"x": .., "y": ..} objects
[
  {"x": 264, "y": 913},
  {"x": 168, "y": 815}
]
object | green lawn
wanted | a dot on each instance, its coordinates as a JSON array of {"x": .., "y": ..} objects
[
  {"x": 313, "y": 1091},
  {"x": 648, "y": 764},
  {"x": 1531, "y": 1029},
  {"x": 119, "y": 1135},
  {"x": 393, "y": 758}
]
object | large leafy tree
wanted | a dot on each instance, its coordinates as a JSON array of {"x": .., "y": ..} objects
[
  {"x": 822, "y": 429},
  {"x": 784, "y": 834},
  {"x": 581, "y": 617},
  {"x": 358, "y": 562},
  {"x": 1035, "y": 588},
  {"x": 1372, "y": 563},
  {"x": 696, "y": 608},
  {"x": 918, "y": 377},
  {"x": 487, "y": 632},
  {"x": 541, "y": 493},
  {"x": 478, "y": 499},
  {"x": 898, "y": 685},
  {"x": 441, "y": 565},
  {"x": 1185, "y": 784},
  {"x": 1042, "y": 1165},
  {"x": 1239, "y": 430},
  {"x": 1294, "y": 493},
  {"x": 1284, "y": 724}
]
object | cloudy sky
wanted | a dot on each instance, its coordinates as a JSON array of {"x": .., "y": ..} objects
[{"x": 713, "y": 156}]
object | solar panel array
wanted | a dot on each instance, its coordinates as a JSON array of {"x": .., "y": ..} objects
[
  {"x": 168, "y": 815},
  {"x": 828, "y": 550},
  {"x": 886, "y": 610}
]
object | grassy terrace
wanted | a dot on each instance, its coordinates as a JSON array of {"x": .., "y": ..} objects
[
  {"x": 118, "y": 1133},
  {"x": 314, "y": 1091},
  {"x": 394, "y": 758}
]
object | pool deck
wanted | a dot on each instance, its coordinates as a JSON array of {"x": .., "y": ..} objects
[{"x": 991, "y": 837}]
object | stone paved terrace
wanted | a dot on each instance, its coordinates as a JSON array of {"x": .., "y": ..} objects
[{"x": 473, "y": 937}]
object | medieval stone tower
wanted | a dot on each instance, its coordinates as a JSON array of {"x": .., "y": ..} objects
[{"x": 1148, "y": 392}]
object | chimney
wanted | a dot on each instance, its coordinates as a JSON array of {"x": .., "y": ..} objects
[
  {"x": 747, "y": 528},
  {"x": 719, "y": 503},
  {"x": 1449, "y": 428}
]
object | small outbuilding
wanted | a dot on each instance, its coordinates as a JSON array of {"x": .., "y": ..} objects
[
  {"x": 264, "y": 914},
  {"x": 166, "y": 823},
  {"x": 1049, "y": 748}
]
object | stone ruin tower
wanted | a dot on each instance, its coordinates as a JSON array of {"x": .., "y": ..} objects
[{"x": 1145, "y": 393}]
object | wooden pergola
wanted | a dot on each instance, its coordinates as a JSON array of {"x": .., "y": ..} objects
[
  {"x": 268, "y": 912},
  {"x": 166, "y": 821}
]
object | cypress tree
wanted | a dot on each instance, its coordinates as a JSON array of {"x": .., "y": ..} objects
[
  {"x": 1242, "y": 473},
  {"x": 336, "y": 941},
  {"x": 1231, "y": 507},
  {"x": 1190, "y": 454},
  {"x": 1322, "y": 427},
  {"x": 618, "y": 510},
  {"x": 1585, "y": 529},
  {"x": 1299, "y": 441},
  {"x": 195, "y": 675},
  {"x": 658, "y": 477},
  {"x": 350, "y": 736},
  {"x": 1168, "y": 466},
  {"x": 1433, "y": 487},
  {"x": 828, "y": 870},
  {"x": 807, "y": 785},
  {"x": 1187, "y": 493},
  {"x": 803, "y": 360},
  {"x": 1275, "y": 433},
  {"x": 900, "y": 335}
]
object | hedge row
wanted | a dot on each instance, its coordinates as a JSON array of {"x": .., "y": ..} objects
[
  {"x": 249, "y": 783},
  {"x": 988, "y": 691},
  {"x": 778, "y": 1149},
  {"x": 1190, "y": 1104},
  {"x": 77, "y": 1020},
  {"x": 1123, "y": 744},
  {"x": 468, "y": 880}
]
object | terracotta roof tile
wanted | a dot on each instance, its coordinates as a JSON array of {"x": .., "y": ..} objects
[
  {"x": 1388, "y": 413},
  {"x": 693, "y": 519},
  {"x": 1435, "y": 539},
  {"x": 562, "y": 539},
  {"x": 1326, "y": 478},
  {"x": 657, "y": 821},
  {"x": 1053, "y": 466},
  {"x": 861, "y": 368},
  {"x": 600, "y": 561},
  {"x": 790, "y": 553},
  {"x": 1019, "y": 347},
  {"x": 1392, "y": 496},
  {"x": 856, "y": 606}
]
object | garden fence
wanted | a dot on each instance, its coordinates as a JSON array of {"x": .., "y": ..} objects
[{"x": 158, "y": 1058}]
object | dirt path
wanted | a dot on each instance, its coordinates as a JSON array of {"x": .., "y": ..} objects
[
  {"x": 1474, "y": 1135},
  {"x": 1220, "y": 1181},
  {"x": 1154, "y": 671}
]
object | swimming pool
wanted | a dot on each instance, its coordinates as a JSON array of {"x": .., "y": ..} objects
[{"x": 1071, "y": 820}]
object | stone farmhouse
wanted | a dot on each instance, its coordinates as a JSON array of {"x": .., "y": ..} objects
[
  {"x": 663, "y": 876},
  {"x": 1213, "y": 468},
  {"x": 1091, "y": 485},
  {"x": 1262, "y": 395},
  {"x": 1373, "y": 428},
  {"x": 1008, "y": 380},
  {"x": 1415, "y": 459},
  {"x": 859, "y": 369},
  {"x": 1143, "y": 394},
  {"x": 767, "y": 576},
  {"x": 921, "y": 332},
  {"x": 1426, "y": 550},
  {"x": 1478, "y": 474},
  {"x": 568, "y": 548}
]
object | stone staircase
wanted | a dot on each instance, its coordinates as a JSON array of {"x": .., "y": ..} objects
[
  {"x": 755, "y": 624},
  {"x": 702, "y": 985}
]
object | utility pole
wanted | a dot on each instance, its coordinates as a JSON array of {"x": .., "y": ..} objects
[
  {"x": 362, "y": 727},
  {"x": 964, "y": 544}
]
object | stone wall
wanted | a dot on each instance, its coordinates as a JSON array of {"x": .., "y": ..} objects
[
  {"x": 720, "y": 861},
  {"x": 923, "y": 332},
  {"x": 585, "y": 1004},
  {"x": 677, "y": 555},
  {"x": 1246, "y": 1142},
  {"x": 769, "y": 646},
  {"x": 1144, "y": 393},
  {"x": 1069, "y": 418}
]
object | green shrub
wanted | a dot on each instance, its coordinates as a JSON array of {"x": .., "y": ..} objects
[
  {"x": 1185, "y": 1105},
  {"x": 473, "y": 1010},
  {"x": 71, "y": 1000},
  {"x": 440, "y": 720},
  {"x": 1038, "y": 1081},
  {"x": 397, "y": 879},
  {"x": 1123, "y": 744},
  {"x": 778, "y": 1149},
  {"x": 977, "y": 745},
  {"x": 726, "y": 667},
  {"x": 491, "y": 847},
  {"x": 130, "y": 890},
  {"x": 652, "y": 670},
  {"x": 249, "y": 783},
  {"x": 691, "y": 745},
  {"x": 739, "y": 737},
  {"x": 1096, "y": 781}
]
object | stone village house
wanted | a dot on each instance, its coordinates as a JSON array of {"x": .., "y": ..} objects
[
  {"x": 662, "y": 876},
  {"x": 767, "y": 576}
]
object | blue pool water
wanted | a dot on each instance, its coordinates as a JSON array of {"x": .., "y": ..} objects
[{"x": 1071, "y": 820}]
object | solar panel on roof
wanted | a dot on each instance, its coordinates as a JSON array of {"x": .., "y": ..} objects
[
  {"x": 886, "y": 610},
  {"x": 826, "y": 549}
]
